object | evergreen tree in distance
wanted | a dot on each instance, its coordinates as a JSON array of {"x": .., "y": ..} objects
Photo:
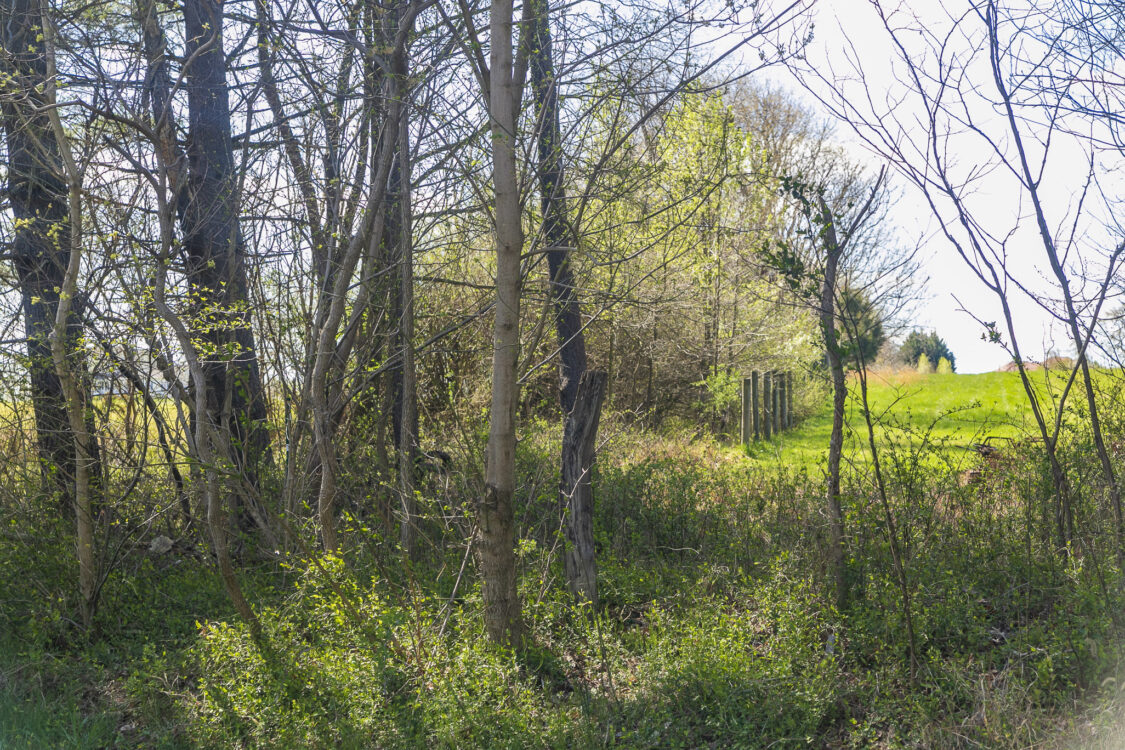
[{"x": 929, "y": 344}]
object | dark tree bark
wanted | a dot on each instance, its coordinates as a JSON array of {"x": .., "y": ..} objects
[
  {"x": 37, "y": 195},
  {"x": 215, "y": 251},
  {"x": 580, "y": 392},
  {"x": 580, "y": 436},
  {"x": 406, "y": 410},
  {"x": 557, "y": 235}
]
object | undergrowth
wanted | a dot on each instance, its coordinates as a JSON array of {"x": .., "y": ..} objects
[{"x": 716, "y": 627}]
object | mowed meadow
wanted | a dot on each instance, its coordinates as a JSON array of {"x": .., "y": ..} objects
[{"x": 716, "y": 626}]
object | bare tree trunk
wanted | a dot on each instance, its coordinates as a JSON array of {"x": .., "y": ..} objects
[
  {"x": 496, "y": 545},
  {"x": 837, "y": 555},
  {"x": 207, "y": 441},
  {"x": 37, "y": 194},
  {"x": 216, "y": 254},
  {"x": 557, "y": 235},
  {"x": 178, "y": 194},
  {"x": 1031, "y": 182},
  {"x": 580, "y": 436},
  {"x": 580, "y": 392},
  {"x": 408, "y": 404},
  {"x": 64, "y": 345},
  {"x": 328, "y": 351}
]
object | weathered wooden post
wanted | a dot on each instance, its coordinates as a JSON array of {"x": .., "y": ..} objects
[
  {"x": 775, "y": 403},
  {"x": 767, "y": 405},
  {"x": 789, "y": 399},
  {"x": 782, "y": 402},
  {"x": 745, "y": 428},
  {"x": 754, "y": 402}
]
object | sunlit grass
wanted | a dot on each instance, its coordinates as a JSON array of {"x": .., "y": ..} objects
[{"x": 949, "y": 412}]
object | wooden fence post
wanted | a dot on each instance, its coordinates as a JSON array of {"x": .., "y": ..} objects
[
  {"x": 775, "y": 406},
  {"x": 767, "y": 405},
  {"x": 754, "y": 401},
  {"x": 744, "y": 425},
  {"x": 789, "y": 399}
]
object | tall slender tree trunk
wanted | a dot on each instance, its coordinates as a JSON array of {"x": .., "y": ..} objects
[
  {"x": 65, "y": 348},
  {"x": 407, "y": 440},
  {"x": 1065, "y": 512},
  {"x": 216, "y": 253},
  {"x": 64, "y": 355},
  {"x": 837, "y": 555},
  {"x": 329, "y": 351},
  {"x": 495, "y": 516},
  {"x": 580, "y": 393},
  {"x": 557, "y": 235},
  {"x": 41, "y": 248}
]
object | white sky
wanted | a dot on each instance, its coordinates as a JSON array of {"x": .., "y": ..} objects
[{"x": 849, "y": 28}]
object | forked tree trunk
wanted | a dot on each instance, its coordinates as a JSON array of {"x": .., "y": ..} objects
[
  {"x": 209, "y": 442},
  {"x": 1072, "y": 316},
  {"x": 65, "y": 349},
  {"x": 38, "y": 197}
]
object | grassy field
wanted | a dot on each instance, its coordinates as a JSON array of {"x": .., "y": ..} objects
[{"x": 949, "y": 412}]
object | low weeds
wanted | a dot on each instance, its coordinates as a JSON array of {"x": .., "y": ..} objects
[{"x": 716, "y": 627}]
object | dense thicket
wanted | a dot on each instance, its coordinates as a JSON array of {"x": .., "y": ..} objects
[
  {"x": 282, "y": 224},
  {"x": 290, "y": 285}
]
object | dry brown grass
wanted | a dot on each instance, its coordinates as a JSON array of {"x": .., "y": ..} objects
[{"x": 895, "y": 375}]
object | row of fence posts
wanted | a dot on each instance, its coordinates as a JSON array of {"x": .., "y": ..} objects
[{"x": 767, "y": 404}]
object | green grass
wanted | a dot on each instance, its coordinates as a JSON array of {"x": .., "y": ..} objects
[
  {"x": 34, "y": 716},
  {"x": 951, "y": 412}
]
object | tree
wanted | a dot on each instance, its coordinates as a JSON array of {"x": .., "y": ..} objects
[
  {"x": 815, "y": 278},
  {"x": 580, "y": 391},
  {"x": 38, "y": 197},
  {"x": 215, "y": 256},
  {"x": 495, "y": 514},
  {"x": 406, "y": 396},
  {"x": 45, "y": 194},
  {"x": 930, "y": 344},
  {"x": 864, "y": 328},
  {"x": 201, "y": 187}
]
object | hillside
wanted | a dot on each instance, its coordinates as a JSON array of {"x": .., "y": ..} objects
[{"x": 951, "y": 412}]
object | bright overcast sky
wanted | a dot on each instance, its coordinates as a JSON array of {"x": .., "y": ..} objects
[{"x": 850, "y": 28}]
